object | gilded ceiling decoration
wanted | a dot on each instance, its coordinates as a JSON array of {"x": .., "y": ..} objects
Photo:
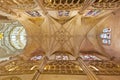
[
  {"x": 60, "y": 67},
  {"x": 77, "y": 4},
  {"x": 106, "y": 4},
  {"x": 63, "y": 4},
  {"x": 12, "y": 78}
]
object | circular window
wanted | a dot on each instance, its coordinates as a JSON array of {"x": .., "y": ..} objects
[{"x": 18, "y": 37}]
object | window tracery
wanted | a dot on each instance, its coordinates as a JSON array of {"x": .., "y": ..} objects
[
  {"x": 61, "y": 56},
  {"x": 13, "y": 39},
  {"x": 89, "y": 57},
  {"x": 93, "y": 12},
  {"x": 63, "y": 13},
  {"x": 34, "y": 13},
  {"x": 36, "y": 58},
  {"x": 106, "y": 36},
  {"x": 18, "y": 32}
]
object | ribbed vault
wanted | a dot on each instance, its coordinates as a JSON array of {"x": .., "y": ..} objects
[{"x": 64, "y": 33}]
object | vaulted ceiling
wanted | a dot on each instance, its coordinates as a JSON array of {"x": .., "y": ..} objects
[{"x": 68, "y": 26}]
